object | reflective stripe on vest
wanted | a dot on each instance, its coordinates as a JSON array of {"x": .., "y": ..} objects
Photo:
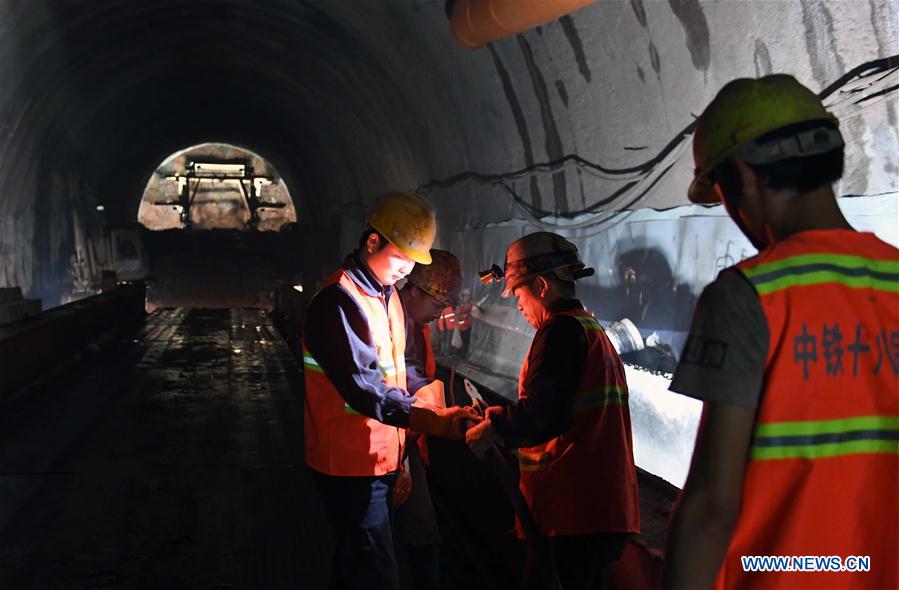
[
  {"x": 822, "y": 475},
  {"x": 310, "y": 364},
  {"x": 585, "y": 401},
  {"x": 584, "y": 481},
  {"x": 591, "y": 399},
  {"x": 387, "y": 371},
  {"x": 826, "y": 438},
  {"x": 855, "y": 272}
]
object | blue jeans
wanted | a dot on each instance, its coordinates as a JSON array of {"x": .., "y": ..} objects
[{"x": 358, "y": 511}]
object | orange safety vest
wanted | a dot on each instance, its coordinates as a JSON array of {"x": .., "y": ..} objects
[
  {"x": 584, "y": 481},
  {"x": 447, "y": 319},
  {"x": 430, "y": 371},
  {"x": 339, "y": 440},
  {"x": 822, "y": 475},
  {"x": 462, "y": 319}
]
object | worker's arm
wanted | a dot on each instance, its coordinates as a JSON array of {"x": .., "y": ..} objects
[
  {"x": 722, "y": 364},
  {"x": 337, "y": 334},
  {"x": 415, "y": 353},
  {"x": 546, "y": 402},
  {"x": 710, "y": 502},
  {"x": 415, "y": 378}
]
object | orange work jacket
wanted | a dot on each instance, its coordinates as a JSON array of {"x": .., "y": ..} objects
[
  {"x": 462, "y": 319},
  {"x": 822, "y": 475},
  {"x": 584, "y": 481},
  {"x": 339, "y": 440}
]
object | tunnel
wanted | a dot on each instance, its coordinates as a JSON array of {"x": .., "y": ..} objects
[{"x": 152, "y": 394}]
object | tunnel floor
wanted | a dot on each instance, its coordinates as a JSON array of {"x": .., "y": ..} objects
[{"x": 172, "y": 459}]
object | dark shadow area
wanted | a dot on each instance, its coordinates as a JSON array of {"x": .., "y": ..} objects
[
  {"x": 171, "y": 460},
  {"x": 219, "y": 269}
]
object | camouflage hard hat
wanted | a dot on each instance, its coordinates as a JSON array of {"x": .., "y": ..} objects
[{"x": 442, "y": 279}]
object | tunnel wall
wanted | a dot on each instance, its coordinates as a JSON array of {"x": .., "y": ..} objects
[{"x": 350, "y": 99}]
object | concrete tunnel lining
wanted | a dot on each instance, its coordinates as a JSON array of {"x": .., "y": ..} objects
[{"x": 351, "y": 99}]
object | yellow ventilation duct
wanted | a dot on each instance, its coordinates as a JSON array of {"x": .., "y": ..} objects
[{"x": 475, "y": 23}]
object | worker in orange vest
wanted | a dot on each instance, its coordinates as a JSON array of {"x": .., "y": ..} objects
[
  {"x": 795, "y": 355},
  {"x": 463, "y": 320},
  {"x": 458, "y": 317},
  {"x": 571, "y": 427},
  {"x": 428, "y": 290},
  {"x": 357, "y": 404},
  {"x": 445, "y": 325}
]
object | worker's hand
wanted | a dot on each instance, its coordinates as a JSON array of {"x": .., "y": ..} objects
[
  {"x": 443, "y": 422},
  {"x": 481, "y": 437},
  {"x": 402, "y": 486}
]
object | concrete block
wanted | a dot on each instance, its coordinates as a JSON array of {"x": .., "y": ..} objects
[
  {"x": 10, "y": 294},
  {"x": 19, "y": 310}
]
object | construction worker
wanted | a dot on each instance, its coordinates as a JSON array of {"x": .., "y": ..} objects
[
  {"x": 357, "y": 405},
  {"x": 463, "y": 320},
  {"x": 571, "y": 426},
  {"x": 446, "y": 325},
  {"x": 428, "y": 290},
  {"x": 795, "y": 355}
]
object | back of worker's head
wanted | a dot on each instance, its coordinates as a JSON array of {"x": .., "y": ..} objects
[
  {"x": 771, "y": 134},
  {"x": 798, "y": 174},
  {"x": 401, "y": 229}
]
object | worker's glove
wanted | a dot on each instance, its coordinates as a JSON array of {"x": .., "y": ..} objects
[
  {"x": 443, "y": 422},
  {"x": 481, "y": 438},
  {"x": 402, "y": 487}
]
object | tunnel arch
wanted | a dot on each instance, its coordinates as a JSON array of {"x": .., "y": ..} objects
[{"x": 215, "y": 185}]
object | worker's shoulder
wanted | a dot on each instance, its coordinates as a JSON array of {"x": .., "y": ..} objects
[
  {"x": 729, "y": 281},
  {"x": 731, "y": 295},
  {"x": 562, "y": 326},
  {"x": 331, "y": 296}
]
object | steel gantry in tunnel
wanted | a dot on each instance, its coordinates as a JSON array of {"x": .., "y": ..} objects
[{"x": 179, "y": 178}]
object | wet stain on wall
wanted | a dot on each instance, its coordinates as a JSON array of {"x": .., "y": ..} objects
[
  {"x": 827, "y": 64},
  {"x": 819, "y": 42},
  {"x": 696, "y": 28},
  {"x": 575, "y": 41},
  {"x": 520, "y": 121},
  {"x": 551, "y": 132},
  {"x": 886, "y": 43},
  {"x": 655, "y": 60},
  {"x": 563, "y": 94},
  {"x": 639, "y": 12},
  {"x": 762, "y": 59}
]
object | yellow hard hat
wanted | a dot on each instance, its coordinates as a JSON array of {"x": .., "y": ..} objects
[
  {"x": 538, "y": 253},
  {"x": 744, "y": 110},
  {"x": 408, "y": 222},
  {"x": 441, "y": 279}
]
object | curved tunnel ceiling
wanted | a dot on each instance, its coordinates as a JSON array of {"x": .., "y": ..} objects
[
  {"x": 349, "y": 99},
  {"x": 128, "y": 83}
]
